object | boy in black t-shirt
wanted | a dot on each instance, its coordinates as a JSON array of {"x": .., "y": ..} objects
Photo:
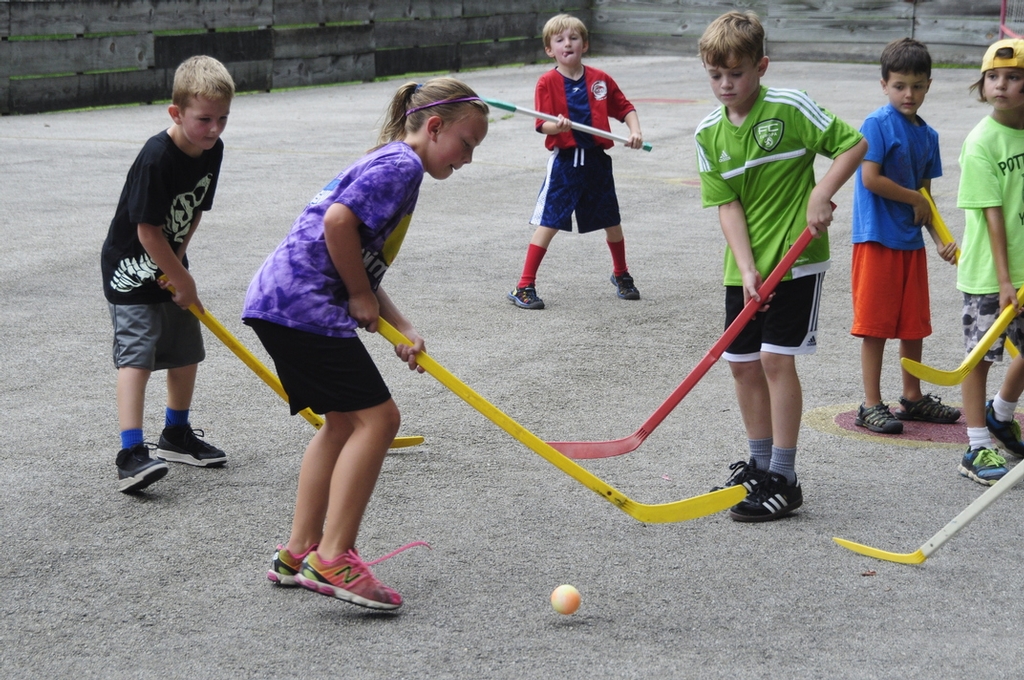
[{"x": 170, "y": 185}]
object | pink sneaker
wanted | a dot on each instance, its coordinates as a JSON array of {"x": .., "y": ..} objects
[
  {"x": 286, "y": 565},
  {"x": 349, "y": 578}
]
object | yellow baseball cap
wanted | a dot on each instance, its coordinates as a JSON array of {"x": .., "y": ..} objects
[{"x": 1016, "y": 60}]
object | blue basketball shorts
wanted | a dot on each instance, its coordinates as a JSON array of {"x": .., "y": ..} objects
[{"x": 578, "y": 181}]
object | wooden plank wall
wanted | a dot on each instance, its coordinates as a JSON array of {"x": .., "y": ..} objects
[
  {"x": 956, "y": 31},
  {"x": 62, "y": 54}
]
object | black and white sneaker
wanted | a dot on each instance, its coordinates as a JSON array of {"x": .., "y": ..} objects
[
  {"x": 136, "y": 470},
  {"x": 745, "y": 473},
  {"x": 771, "y": 499},
  {"x": 181, "y": 445}
]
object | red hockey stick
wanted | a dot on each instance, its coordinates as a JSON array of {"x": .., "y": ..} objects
[{"x": 616, "y": 447}]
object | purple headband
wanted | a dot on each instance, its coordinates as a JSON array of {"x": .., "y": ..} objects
[{"x": 443, "y": 101}]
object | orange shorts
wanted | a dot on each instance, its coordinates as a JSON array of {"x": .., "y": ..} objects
[{"x": 890, "y": 292}]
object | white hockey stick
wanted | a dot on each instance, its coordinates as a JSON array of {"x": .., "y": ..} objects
[
  {"x": 959, "y": 522},
  {"x": 508, "y": 106}
]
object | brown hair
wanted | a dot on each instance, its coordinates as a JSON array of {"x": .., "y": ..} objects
[
  {"x": 413, "y": 104},
  {"x": 906, "y": 55},
  {"x": 731, "y": 38}
]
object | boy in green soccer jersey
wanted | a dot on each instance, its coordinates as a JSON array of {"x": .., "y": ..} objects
[{"x": 756, "y": 158}]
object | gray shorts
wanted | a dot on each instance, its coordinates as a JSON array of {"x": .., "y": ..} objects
[
  {"x": 980, "y": 312},
  {"x": 155, "y": 337}
]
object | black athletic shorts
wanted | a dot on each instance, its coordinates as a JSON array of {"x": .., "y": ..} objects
[
  {"x": 789, "y": 326},
  {"x": 322, "y": 373}
]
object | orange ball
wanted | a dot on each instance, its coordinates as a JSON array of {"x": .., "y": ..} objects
[{"x": 565, "y": 599}]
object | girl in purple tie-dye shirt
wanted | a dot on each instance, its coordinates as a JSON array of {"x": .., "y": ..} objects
[{"x": 306, "y": 302}]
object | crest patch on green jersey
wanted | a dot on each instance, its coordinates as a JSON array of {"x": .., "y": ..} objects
[{"x": 768, "y": 133}]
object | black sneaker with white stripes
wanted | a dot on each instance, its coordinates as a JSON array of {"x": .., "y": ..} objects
[
  {"x": 745, "y": 473},
  {"x": 773, "y": 498}
]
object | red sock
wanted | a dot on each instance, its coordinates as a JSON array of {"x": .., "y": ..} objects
[
  {"x": 618, "y": 257},
  {"x": 534, "y": 255}
]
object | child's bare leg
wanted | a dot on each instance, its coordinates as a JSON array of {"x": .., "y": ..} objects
[
  {"x": 355, "y": 475},
  {"x": 871, "y": 352},
  {"x": 181, "y": 384},
  {"x": 542, "y": 237},
  {"x": 1013, "y": 382},
  {"x": 318, "y": 464},
  {"x": 131, "y": 396},
  {"x": 973, "y": 390},
  {"x": 753, "y": 397},
  {"x": 786, "y": 398},
  {"x": 613, "y": 234},
  {"x": 911, "y": 349}
]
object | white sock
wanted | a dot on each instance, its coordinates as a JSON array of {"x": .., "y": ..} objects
[
  {"x": 979, "y": 438},
  {"x": 1004, "y": 409}
]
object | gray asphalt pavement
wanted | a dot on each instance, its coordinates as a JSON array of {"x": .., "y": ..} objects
[{"x": 171, "y": 583}]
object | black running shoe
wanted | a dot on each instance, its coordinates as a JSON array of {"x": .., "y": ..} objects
[
  {"x": 772, "y": 499},
  {"x": 181, "y": 445},
  {"x": 624, "y": 287},
  {"x": 745, "y": 473},
  {"x": 1007, "y": 432},
  {"x": 136, "y": 470}
]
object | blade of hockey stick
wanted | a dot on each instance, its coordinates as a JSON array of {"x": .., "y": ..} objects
[
  {"x": 940, "y": 225},
  {"x": 507, "y": 106},
  {"x": 678, "y": 511},
  {"x": 947, "y": 532},
  {"x": 265, "y": 374},
  {"x": 956, "y": 376},
  {"x": 617, "y": 447},
  {"x": 942, "y": 231}
]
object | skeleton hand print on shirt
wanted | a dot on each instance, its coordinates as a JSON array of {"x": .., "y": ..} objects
[
  {"x": 133, "y": 272},
  {"x": 183, "y": 210}
]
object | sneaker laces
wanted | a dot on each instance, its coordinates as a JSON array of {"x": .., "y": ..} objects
[
  {"x": 360, "y": 562},
  {"x": 988, "y": 458}
]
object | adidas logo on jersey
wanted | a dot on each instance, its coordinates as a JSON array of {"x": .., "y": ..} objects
[{"x": 724, "y": 157}]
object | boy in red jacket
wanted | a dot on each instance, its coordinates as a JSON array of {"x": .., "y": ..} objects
[{"x": 579, "y": 177}]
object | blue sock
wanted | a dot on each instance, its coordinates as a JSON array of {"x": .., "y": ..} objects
[
  {"x": 761, "y": 452},
  {"x": 130, "y": 438},
  {"x": 175, "y": 418},
  {"x": 784, "y": 463}
]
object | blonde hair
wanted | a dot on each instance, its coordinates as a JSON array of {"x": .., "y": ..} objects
[
  {"x": 731, "y": 38},
  {"x": 201, "y": 76},
  {"x": 413, "y": 104},
  {"x": 562, "y": 22}
]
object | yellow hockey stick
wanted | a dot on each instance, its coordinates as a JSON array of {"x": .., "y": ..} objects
[
  {"x": 947, "y": 532},
  {"x": 679, "y": 511},
  {"x": 264, "y": 373},
  {"x": 941, "y": 230},
  {"x": 956, "y": 376}
]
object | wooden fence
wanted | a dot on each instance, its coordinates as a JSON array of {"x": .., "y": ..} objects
[
  {"x": 956, "y": 31},
  {"x": 61, "y": 55}
]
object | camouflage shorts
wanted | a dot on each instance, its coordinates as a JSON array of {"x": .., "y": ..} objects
[{"x": 980, "y": 312}]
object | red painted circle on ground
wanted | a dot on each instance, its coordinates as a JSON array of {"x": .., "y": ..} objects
[{"x": 955, "y": 433}]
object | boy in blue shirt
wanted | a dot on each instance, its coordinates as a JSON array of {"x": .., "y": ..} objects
[{"x": 890, "y": 267}]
